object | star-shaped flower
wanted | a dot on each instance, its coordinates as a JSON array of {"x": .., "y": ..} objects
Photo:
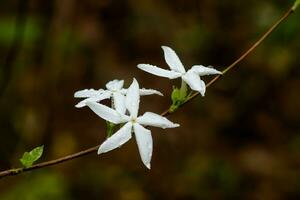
[
  {"x": 133, "y": 123},
  {"x": 191, "y": 77},
  {"x": 114, "y": 90}
]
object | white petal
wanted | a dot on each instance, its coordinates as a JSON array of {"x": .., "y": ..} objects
[
  {"x": 159, "y": 71},
  {"x": 117, "y": 139},
  {"x": 153, "y": 119},
  {"x": 133, "y": 98},
  {"x": 83, "y": 102},
  {"x": 115, "y": 85},
  {"x": 194, "y": 81},
  {"x": 202, "y": 70},
  {"x": 144, "y": 92},
  {"x": 144, "y": 142},
  {"x": 119, "y": 102},
  {"x": 87, "y": 93},
  {"x": 172, "y": 60},
  {"x": 107, "y": 113},
  {"x": 94, "y": 98}
]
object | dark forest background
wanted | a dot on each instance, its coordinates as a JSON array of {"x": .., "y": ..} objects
[{"x": 242, "y": 141}]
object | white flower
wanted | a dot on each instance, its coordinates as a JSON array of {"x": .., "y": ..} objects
[
  {"x": 191, "y": 77},
  {"x": 114, "y": 90},
  {"x": 133, "y": 123}
]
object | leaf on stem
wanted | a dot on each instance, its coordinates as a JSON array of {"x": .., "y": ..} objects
[{"x": 29, "y": 158}]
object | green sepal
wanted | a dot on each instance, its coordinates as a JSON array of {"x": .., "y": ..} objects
[
  {"x": 29, "y": 158},
  {"x": 109, "y": 128},
  {"x": 178, "y": 96}
]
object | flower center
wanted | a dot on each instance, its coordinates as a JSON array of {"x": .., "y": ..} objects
[{"x": 133, "y": 120}]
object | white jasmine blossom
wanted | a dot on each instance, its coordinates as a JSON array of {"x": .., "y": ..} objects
[
  {"x": 114, "y": 90},
  {"x": 133, "y": 123},
  {"x": 191, "y": 77}
]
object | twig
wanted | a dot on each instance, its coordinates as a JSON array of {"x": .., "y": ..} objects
[
  {"x": 12, "y": 172},
  {"x": 16, "y": 171},
  {"x": 244, "y": 55}
]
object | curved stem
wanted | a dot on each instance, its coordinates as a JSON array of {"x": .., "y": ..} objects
[
  {"x": 16, "y": 171},
  {"x": 12, "y": 172}
]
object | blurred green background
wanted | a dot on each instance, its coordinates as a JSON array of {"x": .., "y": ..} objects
[{"x": 242, "y": 141}]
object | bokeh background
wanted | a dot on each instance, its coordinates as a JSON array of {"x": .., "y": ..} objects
[{"x": 239, "y": 142}]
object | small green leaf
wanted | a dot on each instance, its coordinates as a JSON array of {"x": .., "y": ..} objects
[
  {"x": 29, "y": 158},
  {"x": 296, "y": 4}
]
